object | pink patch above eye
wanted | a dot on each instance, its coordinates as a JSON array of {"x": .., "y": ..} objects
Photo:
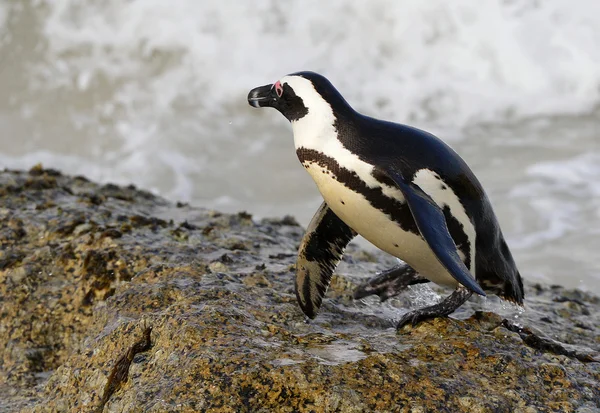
[{"x": 278, "y": 88}]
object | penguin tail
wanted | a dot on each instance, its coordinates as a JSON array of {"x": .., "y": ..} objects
[{"x": 513, "y": 290}]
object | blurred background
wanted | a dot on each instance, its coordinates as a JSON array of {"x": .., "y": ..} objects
[{"x": 153, "y": 93}]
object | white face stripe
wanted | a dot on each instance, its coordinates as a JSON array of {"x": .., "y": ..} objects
[{"x": 316, "y": 131}]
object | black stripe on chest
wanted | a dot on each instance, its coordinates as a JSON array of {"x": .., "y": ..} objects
[{"x": 398, "y": 211}]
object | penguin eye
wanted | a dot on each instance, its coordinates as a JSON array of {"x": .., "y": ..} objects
[{"x": 278, "y": 88}]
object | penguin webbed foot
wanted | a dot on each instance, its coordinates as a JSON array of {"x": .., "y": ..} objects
[
  {"x": 389, "y": 283},
  {"x": 443, "y": 308}
]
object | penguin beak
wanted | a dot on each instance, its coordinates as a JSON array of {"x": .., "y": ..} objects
[{"x": 262, "y": 96}]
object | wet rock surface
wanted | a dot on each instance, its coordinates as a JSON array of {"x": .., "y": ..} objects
[{"x": 87, "y": 270}]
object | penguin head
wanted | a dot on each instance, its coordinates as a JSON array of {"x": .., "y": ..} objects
[{"x": 297, "y": 95}]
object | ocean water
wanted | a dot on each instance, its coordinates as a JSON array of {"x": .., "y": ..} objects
[{"x": 154, "y": 93}]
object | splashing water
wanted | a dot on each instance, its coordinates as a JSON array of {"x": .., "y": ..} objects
[{"x": 154, "y": 93}]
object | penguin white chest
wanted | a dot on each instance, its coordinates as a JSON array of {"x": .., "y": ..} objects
[{"x": 376, "y": 226}]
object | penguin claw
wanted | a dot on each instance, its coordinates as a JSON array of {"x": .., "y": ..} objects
[
  {"x": 389, "y": 283},
  {"x": 367, "y": 289},
  {"x": 441, "y": 309},
  {"x": 384, "y": 292},
  {"x": 413, "y": 318}
]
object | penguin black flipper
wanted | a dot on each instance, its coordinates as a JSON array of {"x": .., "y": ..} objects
[
  {"x": 320, "y": 252},
  {"x": 432, "y": 226}
]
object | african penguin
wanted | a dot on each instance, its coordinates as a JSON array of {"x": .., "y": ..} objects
[{"x": 402, "y": 189}]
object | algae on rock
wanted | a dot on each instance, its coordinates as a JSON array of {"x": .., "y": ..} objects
[{"x": 84, "y": 267}]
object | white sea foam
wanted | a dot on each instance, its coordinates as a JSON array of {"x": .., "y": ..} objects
[
  {"x": 154, "y": 93},
  {"x": 455, "y": 61},
  {"x": 576, "y": 182},
  {"x": 578, "y": 176},
  {"x": 3, "y": 18}
]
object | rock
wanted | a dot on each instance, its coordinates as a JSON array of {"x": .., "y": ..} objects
[{"x": 86, "y": 269}]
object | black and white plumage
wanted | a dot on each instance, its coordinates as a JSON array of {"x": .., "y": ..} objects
[{"x": 401, "y": 188}]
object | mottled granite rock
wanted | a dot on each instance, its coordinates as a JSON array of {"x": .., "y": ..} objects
[{"x": 85, "y": 269}]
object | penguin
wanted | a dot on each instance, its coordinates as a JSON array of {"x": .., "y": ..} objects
[{"x": 401, "y": 188}]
